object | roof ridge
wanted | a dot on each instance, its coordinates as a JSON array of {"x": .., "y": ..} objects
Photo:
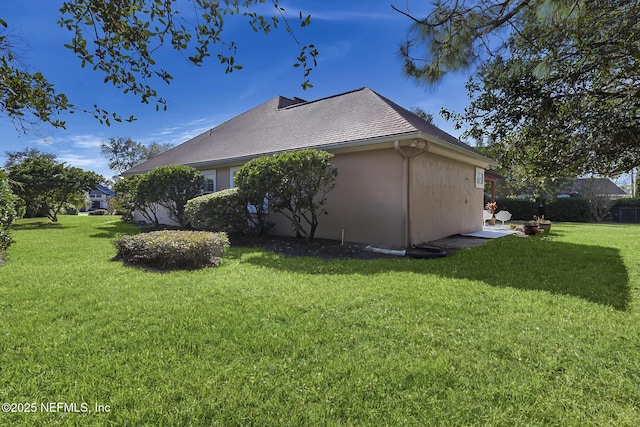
[
  {"x": 435, "y": 130},
  {"x": 325, "y": 98},
  {"x": 397, "y": 107}
]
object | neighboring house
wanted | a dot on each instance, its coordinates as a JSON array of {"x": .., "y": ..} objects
[
  {"x": 589, "y": 187},
  {"x": 100, "y": 197},
  {"x": 400, "y": 179}
]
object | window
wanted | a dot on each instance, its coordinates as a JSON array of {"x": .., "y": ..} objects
[
  {"x": 209, "y": 181},
  {"x": 479, "y": 178},
  {"x": 232, "y": 176}
]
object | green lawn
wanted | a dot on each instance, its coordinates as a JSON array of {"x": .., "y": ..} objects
[{"x": 517, "y": 332}]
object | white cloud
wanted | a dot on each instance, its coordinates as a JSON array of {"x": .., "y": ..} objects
[
  {"x": 86, "y": 141},
  {"x": 178, "y": 133},
  {"x": 80, "y": 161},
  {"x": 343, "y": 16},
  {"x": 88, "y": 161}
]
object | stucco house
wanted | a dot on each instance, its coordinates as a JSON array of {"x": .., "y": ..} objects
[{"x": 400, "y": 179}]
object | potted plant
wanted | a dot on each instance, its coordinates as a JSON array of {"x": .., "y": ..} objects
[
  {"x": 532, "y": 227},
  {"x": 545, "y": 225},
  {"x": 492, "y": 207}
]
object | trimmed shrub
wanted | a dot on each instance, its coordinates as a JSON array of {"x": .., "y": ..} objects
[
  {"x": 573, "y": 209},
  {"x": 70, "y": 210},
  {"x": 172, "y": 248},
  {"x": 171, "y": 187},
  {"x": 219, "y": 211},
  {"x": 294, "y": 183},
  {"x": 520, "y": 209},
  {"x": 626, "y": 210},
  {"x": 98, "y": 212},
  {"x": 627, "y": 202}
]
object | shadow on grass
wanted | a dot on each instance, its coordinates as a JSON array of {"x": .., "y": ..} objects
[
  {"x": 593, "y": 273},
  {"x": 114, "y": 229},
  {"x": 39, "y": 224}
]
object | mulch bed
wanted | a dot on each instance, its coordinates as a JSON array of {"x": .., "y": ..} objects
[{"x": 319, "y": 248}]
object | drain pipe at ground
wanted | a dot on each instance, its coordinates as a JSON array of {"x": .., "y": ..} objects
[{"x": 386, "y": 251}]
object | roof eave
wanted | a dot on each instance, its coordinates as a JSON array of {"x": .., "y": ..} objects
[
  {"x": 447, "y": 149},
  {"x": 339, "y": 147},
  {"x": 437, "y": 146}
]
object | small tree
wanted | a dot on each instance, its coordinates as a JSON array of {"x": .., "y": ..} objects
[
  {"x": 124, "y": 153},
  {"x": 172, "y": 187},
  {"x": 45, "y": 185},
  {"x": 131, "y": 197},
  {"x": 595, "y": 192},
  {"x": 69, "y": 186},
  {"x": 295, "y": 184}
]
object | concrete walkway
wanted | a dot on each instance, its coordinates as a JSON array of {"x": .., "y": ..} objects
[{"x": 452, "y": 244}]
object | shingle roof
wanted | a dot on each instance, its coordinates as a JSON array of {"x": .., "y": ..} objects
[
  {"x": 101, "y": 189},
  {"x": 601, "y": 186},
  {"x": 284, "y": 124}
]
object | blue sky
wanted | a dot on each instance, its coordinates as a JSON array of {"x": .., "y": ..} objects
[{"x": 358, "y": 43}]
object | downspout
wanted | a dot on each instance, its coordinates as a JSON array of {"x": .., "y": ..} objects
[{"x": 421, "y": 147}]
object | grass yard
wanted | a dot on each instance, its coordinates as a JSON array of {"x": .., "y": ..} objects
[{"x": 517, "y": 332}]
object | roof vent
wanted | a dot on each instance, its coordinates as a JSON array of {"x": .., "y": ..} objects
[{"x": 286, "y": 102}]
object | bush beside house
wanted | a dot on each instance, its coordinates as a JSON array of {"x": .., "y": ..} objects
[
  {"x": 295, "y": 184},
  {"x": 172, "y": 187},
  {"x": 220, "y": 211},
  {"x": 168, "y": 187},
  {"x": 520, "y": 209}
]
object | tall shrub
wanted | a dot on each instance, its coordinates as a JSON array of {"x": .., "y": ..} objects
[
  {"x": 130, "y": 197},
  {"x": 294, "y": 183},
  {"x": 255, "y": 181},
  {"x": 7, "y": 211},
  {"x": 172, "y": 187}
]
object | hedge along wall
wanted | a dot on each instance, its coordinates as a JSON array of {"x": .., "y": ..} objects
[
  {"x": 520, "y": 209},
  {"x": 626, "y": 209},
  {"x": 572, "y": 209}
]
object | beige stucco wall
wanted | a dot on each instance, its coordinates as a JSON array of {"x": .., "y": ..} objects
[
  {"x": 223, "y": 180},
  {"x": 370, "y": 198},
  {"x": 444, "y": 200},
  {"x": 366, "y": 202}
]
